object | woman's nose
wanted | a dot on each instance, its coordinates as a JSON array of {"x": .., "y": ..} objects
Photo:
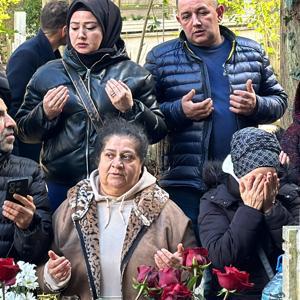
[
  {"x": 81, "y": 32},
  {"x": 117, "y": 162}
]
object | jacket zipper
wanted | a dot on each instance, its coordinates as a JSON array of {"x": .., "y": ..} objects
[
  {"x": 206, "y": 86},
  {"x": 227, "y": 74},
  {"x": 225, "y": 64},
  {"x": 87, "y": 80},
  {"x": 207, "y": 93}
]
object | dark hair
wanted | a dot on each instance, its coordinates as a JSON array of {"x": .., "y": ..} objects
[
  {"x": 121, "y": 127},
  {"x": 213, "y": 174},
  {"x": 54, "y": 16}
]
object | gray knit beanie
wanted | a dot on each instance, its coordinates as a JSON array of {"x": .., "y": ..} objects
[{"x": 253, "y": 148}]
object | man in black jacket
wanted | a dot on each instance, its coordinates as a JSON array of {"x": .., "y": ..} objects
[
  {"x": 209, "y": 83},
  {"x": 32, "y": 54},
  {"x": 25, "y": 224}
]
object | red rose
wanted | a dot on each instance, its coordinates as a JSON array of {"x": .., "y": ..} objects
[
  {"x": 198, "y": 253},
  {"x": 233, "y": 279},
  {"x": 8, "y": 271},
  {"x": 168, "y": 276},
  {"x": 148, "y": 273},
  {"x": 176, "y": 291}
]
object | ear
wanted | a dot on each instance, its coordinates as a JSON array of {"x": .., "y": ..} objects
[
  {"x": 220, "y": 12},
  {"x": 64, "y": 31}
]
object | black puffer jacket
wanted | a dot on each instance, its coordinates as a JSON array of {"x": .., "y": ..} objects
[
  {"x": 232, "y": 231},
  {"x": 177, "y": 70},
  {"x": 31, "y": 244},
  {"x": 68, "y": 153}
]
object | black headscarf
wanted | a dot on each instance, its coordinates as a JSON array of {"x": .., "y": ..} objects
[{"x": 109, "y": 17}]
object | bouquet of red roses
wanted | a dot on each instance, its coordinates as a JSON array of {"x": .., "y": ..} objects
[{"x": 174, "y": 283}]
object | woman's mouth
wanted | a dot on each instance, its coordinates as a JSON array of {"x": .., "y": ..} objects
[{"x": 81, "y": 45}]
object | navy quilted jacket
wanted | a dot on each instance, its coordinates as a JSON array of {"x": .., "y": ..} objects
[{"x": 177, "y": 70}]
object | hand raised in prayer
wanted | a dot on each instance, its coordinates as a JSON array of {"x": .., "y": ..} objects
[
  {"x": 243, "y": 102},
  {"x": 59, "y": 267},
  {"x": 164, "y": 258},
  {"x": 54, "y": 101},
  {"x": 119, "y": 94},
  {"x": 196, "y": 110}
]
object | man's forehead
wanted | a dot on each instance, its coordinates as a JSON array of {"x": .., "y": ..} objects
[
  {"x": 2, "y": 105},
  {"x": 195, "y": 3}
]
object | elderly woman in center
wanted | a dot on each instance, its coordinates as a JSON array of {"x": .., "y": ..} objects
[
  {"x": 113, "y": 222},
  {"x": 242, "y": 215},
  {"x": 54, "y": 109}
]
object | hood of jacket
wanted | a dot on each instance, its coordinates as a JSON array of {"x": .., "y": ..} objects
[{"x": 145, "y": 181}]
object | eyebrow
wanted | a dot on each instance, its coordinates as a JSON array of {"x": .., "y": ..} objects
[
  {"x": 201, "y": 7},
  {"x": 88, "y": 22},
  {"x": 113, "y": 150}
]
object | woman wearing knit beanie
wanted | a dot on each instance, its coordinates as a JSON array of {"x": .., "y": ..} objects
[{"x": 242, "y": 215}]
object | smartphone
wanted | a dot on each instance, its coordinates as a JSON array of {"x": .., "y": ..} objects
[{"x": 16, "y": 186}]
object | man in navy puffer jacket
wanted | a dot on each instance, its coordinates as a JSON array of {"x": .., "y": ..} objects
[
  {"x": 209, "y": 83},
  {"x": 25, "y": 225}
]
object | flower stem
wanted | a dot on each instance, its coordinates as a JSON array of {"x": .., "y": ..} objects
[
  {"x": 195, "y": 275},
  {"x": 3, "y": 290},
  {"x": 226, "y": 295},
  {"x": 142, "y": 287}
]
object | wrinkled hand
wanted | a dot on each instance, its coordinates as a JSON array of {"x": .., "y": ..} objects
[
  {"x": 58, "y": 267},
  {"x": 196, "y": 111},
  {"x": 54, "y": 101},
  {"x": 252, "y": 190},
  {"x": 271, "y": 186},
  {"x": 284, "y": 159},
  {"x": 21, "y": 214},
  {"x": 119, "y": 94},
  {"x": 243, "y": 102},
  {"x": 164, "y": 258}
]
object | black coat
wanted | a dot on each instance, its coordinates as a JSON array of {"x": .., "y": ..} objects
[
  {"x": 231, "y": 231},
  {"x": 177, "y": 70},
  {"x": 68, "y": 153},
  {"x": 4, "y": 87},
  {"x": 22, "y": 64},
  {"x": 33, "y": 243}
]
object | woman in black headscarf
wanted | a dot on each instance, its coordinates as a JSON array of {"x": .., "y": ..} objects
[{"x": 57, "y": 113}]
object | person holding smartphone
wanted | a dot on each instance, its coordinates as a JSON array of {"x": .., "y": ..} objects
[{"x": 25, "y": 216}]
